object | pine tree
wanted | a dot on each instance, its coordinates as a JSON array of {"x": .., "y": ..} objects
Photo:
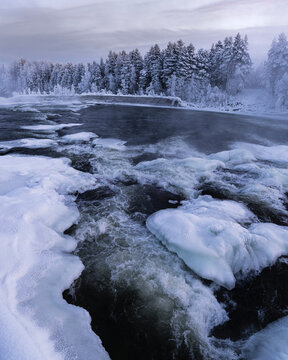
[
  {"x": 202, "y": 65},
  {"x": 96, "y": 80},
  {"x": 125, "y": 73},
  {"x": 150, "y": 78},
  {"x": 240, "y": 65},
  {"x": 215, "y": 61},
  {"x": 78, "y": 73},
  {"x": 187, "y": 62},
  {"x": 84, "y": 85},
  {"x": 277, "y": 63},
  {"x": 110, "y": 66},
  {"x": 226, "y": 66},
  {"x": 170, "y": 60},
  {"x": 67, "y": 78},
  {"x": 136, "y": 66}
]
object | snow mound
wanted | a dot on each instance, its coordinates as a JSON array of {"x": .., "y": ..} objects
[
  {"x": 35, "y": 262},
  {"x": 234, "y": 157},
  {"x": 270, "y": 343},
  {"x": 110, "y": 143},
  {"x": 29, "y": 143},
  {"x": 49, "y": 128},
  {"x": 277, "y": 153},
  {"x": 207, "y": 234},
  {"x": 79, "y": 137}
]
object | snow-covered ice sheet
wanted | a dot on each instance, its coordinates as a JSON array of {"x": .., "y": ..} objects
[
  {"x": 49, "y": 128},
  {"x": 270, "y": 343},
  {"x": 276, "y": 153},
  {"x": 110, "y": 143},
  {"x": 35, "y": 262},
  {"x": 209, "y": 235},
  {"x": 29, "y": 143},
  {"x": 79, "y": 137}
]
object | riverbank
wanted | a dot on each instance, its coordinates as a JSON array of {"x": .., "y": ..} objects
[{"x": 255, "y": 102}]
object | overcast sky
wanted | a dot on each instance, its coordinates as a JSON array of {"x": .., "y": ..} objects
[{"x": 84, "y": 30}]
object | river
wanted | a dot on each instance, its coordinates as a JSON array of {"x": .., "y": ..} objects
[{"x": 181, "y": 229}]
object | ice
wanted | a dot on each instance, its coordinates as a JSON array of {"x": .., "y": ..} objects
[
  {"x": 277, "y": 153},
  {"x": 79, "y": 137},
  {"x": 178, "y": 175},
  {"x": 234, "y": 157},
  {"x": 29, "y": 143},
  {"x": 270, "y": 343},
  {"x": 49, "y": 128},
  {"x": 210, "y": 237},
  {"x": 36, "y": 264},
  {"x": 110, "y": 143},
  {"x": 175, "y": 299},
  {"x": 192, "y": 163}
]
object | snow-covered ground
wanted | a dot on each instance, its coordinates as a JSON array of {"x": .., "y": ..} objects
[
  {"x": 79, "y": 101},
  {"x": 250, "y": 101}
]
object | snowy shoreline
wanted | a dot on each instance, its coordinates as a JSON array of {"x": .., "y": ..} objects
[{"x": 246, "y": 103}]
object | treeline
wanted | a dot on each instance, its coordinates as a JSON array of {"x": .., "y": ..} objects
[
  {"x": 275, "y": 74},
  {"x": 177, "y": 70}
]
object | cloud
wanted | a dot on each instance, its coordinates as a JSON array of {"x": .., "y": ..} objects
[{"x": 85, "y": 30}]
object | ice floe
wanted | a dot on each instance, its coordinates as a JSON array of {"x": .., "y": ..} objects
[{"x": 210, "y": 236}]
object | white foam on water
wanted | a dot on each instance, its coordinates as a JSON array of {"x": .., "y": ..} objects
[
  {"x": 176, "y": 299},
  {"x": 207, "y": 235},
  {"x": 180, "y": 175},
  {"x": 35, "y": 262}
]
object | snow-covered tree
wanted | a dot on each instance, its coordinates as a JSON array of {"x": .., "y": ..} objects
[
  {"x": 240, "y": 65},
  {"x": 177, "y": 70},
  {"x": 67, "y": 77},
  {"x": 277, "y": 63},
  {"x": 4, "y": 82},
  {"x": 96, "y": 78},
  {"x": 84, "y": 85},
  {"x": 187, "y": 62},
  {"x": 215, "y": 61}
]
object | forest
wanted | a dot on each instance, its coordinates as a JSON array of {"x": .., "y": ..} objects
[{"x": 210, "y": 76}]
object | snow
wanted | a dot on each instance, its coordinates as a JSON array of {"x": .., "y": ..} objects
[
  {"x": 277, "y": 153},
  {"x": 256, "y": 102},
  {"x": 36, "y": 264},
  {"x": 49, "y": 128},
  {"x": 207, "y": 234},
  {"x": 178, "y": 175},
  {"x": 270, "y": 343},
  {"x": 234, "y": 157},
  {"x": 79, "y": 137},
  {"x": 30, "y": 143},
  {"x": 110, "y": 143}
]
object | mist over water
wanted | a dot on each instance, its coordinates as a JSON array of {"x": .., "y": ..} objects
[{"x": 145, "y": 299}]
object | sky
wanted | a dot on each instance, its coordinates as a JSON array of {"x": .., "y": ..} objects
[{"x": 85, "y": 30}]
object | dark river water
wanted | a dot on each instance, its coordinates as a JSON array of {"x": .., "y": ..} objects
[{"x": 145, "y": 301}]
